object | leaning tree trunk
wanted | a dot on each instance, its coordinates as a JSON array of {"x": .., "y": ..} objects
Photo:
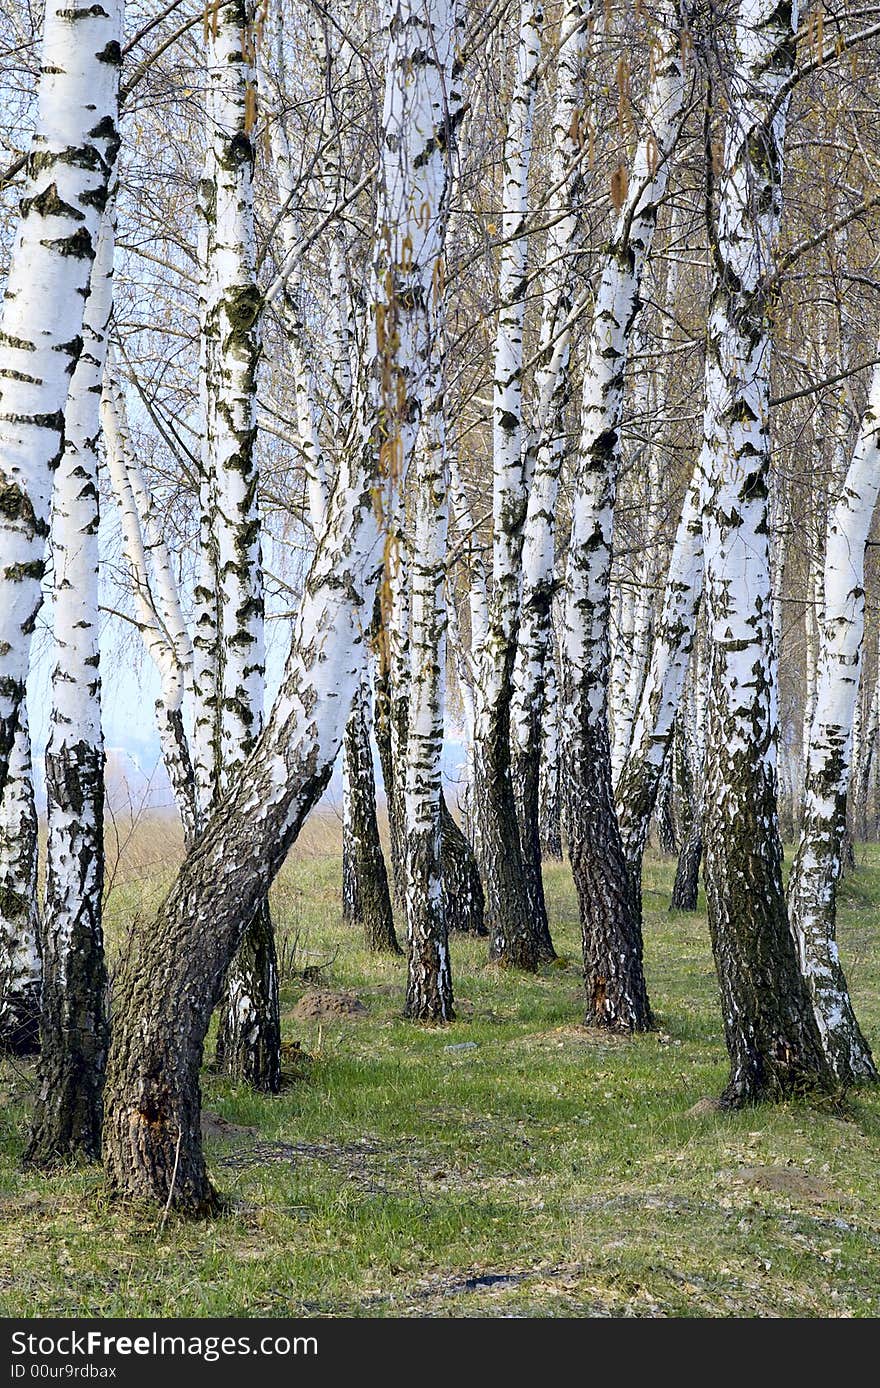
[
  {"x": 519, "y": 937},
  {"x": 249, "y": 1028},
  {"x": 73, "y": 1024},
  {"x": 366, "y": 900},
  {"x": 72, "y": 155},
  {"x": 771, "y": 1035},
  {"x": 812, "y": 890},
  {"x": 20, "y": 966},
  {"x": 152, "y": 1139},
  {"x": 610, "y": 916}
]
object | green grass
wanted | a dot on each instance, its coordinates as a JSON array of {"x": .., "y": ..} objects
[{"x": 562, "y": 1167}]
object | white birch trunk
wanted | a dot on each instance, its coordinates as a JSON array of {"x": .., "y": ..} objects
[
  {"x": 817, "y": 865},
  {"x": 636, "y": 790},
  {"x": 69, "y": 166},
  {"x": 20, "y": 965},
  {"x": 771, "y": 1035},
  {"x": 248, "y": 1041},
  {"x": 156, "y": 602},
  {"x": 616, "y": 994},
  {"x": 515, "y": 938},
  {"x": 547, "y": 441},
  {"x": 74, "y": 1024}
]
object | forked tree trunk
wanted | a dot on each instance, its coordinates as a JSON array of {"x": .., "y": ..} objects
[
  {"x": 366, "y": 900},
  {"x": 152, "y": 1139},
  {"x": 772, "y": 1038},
  {"x": 20, "y": 966}
]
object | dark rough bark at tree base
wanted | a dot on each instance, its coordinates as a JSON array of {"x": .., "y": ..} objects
[
  {"x": 152, "y": 1133},
  {"x": 249, "y": 1031},
  {"x": 463, "y": 900},
  {"x": 772, "y": 1039},
  {"x": 664, "y": 815},
  {"x": 687, "y": 874},
  {"x": 514, "y": 931},
  {"x": 550, "y": 811},
  {"x": 366, "y": 899},
  {"x": 526, "y": 775},
  {"x": 685, "y": 889},
  {"x": 429, "y": 976},
  {"x": 74, "y": 1029},
  {"x": 617, "y": 996},
  {"x": 393, "y": 792},
  {"x": 20, "y": 1031}
]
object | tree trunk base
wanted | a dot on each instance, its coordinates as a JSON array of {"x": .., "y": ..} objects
[
  {"x": 249, "y": 1034},
  {"x": 463, "y": 900},
  {"x": 687, "y": 875}
]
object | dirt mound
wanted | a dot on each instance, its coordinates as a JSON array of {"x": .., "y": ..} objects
[
  {"x": 785, "y": 1180},
  {"x": 321, "y": 1003},
  {"x": 214, "y": 1125},
  {"x": 703, "y": 1107}
]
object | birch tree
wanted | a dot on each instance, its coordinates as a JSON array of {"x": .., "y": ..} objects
[
  {"x": 636, "y": 791},
  {"x": 812, "y": 888},
  {"x": 248, "y": 1039},
  {"x": 74, "y": 1022},
  {"x": 552, "y": 391},
  {"x": 366, "y": 898},
  {"x": 515, "y": 937},
  {"x": 70, "y": 162},
  {"x": 152, "y": 1138},
  {"x": 611, "y": 928},
  {"x": 20, "y": 963},
  {"x": 772, "y": 1038}
]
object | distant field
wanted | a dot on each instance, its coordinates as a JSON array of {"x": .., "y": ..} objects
[{"x": 540, "y": 1171}]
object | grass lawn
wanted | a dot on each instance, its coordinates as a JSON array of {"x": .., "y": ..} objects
[{"x": 532, "y": 1170}]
